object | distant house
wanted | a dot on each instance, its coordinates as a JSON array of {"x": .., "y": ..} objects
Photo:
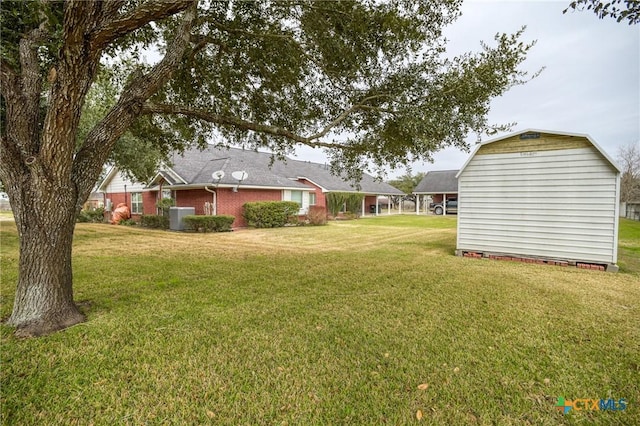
[
  {"x": 542, "y": 195},
  {"x": 630, "y": 210},
  {"x": 221, "y": 181},
  {"x": 435, "y": 187},
  {"x": 95, "y": 200}
]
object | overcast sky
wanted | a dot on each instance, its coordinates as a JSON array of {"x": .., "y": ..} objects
[{"x": 590, "y": 85}]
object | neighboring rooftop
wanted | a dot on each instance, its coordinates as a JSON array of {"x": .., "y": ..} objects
[{"x": 438, "y": 182}]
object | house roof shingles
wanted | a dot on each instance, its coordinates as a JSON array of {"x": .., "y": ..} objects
[
  {"x": 196, "y": 168},
  {"x": 438, "y": 182}
]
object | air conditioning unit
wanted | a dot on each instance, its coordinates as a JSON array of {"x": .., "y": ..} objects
[{"x": 176, "y": 214}]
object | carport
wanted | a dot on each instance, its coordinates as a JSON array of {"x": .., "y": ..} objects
[{"x": 439, "y": 186}]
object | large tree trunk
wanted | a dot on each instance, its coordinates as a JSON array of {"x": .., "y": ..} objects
[
  {"x": 45, "y": 216},
  {"x": 46, "y": 174}
]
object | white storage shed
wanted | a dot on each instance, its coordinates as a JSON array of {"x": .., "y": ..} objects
[{"x": 542, "y": 195}]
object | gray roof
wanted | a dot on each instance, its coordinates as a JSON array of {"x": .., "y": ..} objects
[
  {"x": 438, "y": 182},
  {"x": 195, "y": 167}
]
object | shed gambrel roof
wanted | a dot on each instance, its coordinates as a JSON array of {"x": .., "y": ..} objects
[
  {"x": 438, "y": 182},
  {"x": 195, "y": 168},
  {"x": 541, "y": 132}
]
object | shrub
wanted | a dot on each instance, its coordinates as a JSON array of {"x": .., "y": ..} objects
[
  {"x": 221, "y": 223},
  {"x": 165, "y": 204},
  {"x": 317, "y": 215},
  {"x": 92, "y": 216},
  {"x": 335, "y": 202},
  {"x": 350, "y": 202},
  {"x": 354, "y": 204},
  {"x": 154, "y": 221},
  {"x": 127, "y": 222},
  {"x": 270, "y": 214}
]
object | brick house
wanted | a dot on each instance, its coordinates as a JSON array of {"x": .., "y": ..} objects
[{"x": 221, "y": 180}]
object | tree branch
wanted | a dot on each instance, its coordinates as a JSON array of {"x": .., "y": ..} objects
[
  {"x": 111, "y": 7},
  {"x": 251, "y": 34},
  {"x": 21, "y": 90},
  {"x": 138, "y": 18},
  {"x": 153, "y": 108},
  {"x": 29, "y": 64},
  {"x": 102, "y": 137},
  {"x": 312, "y": 140},
  {"x": 201, "y": 43},
  {"x": 357, "y": 107}
]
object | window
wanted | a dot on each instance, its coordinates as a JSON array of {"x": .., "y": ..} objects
[
  {"x": 312, "y": 198},
  {"x": 297, "y": 197},
  {"x": 136, "y": 203}
]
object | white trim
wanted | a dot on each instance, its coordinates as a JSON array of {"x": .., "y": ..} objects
[
  {"x": 319, "y": 186},
  {"x": 616, "y": 225},
  {"x": 107, "y": 179},
  {"x": 304, "y": 198},
  {"x": 170, "y": 171},
  {"x": 139, "y": 204},
  {"x": 226, "y": 185}
]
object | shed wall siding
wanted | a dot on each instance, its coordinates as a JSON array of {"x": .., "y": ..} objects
[{"x": 558, "y": 203}]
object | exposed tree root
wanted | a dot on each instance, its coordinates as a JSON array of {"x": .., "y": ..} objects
[{"x": 48, "y": 324}]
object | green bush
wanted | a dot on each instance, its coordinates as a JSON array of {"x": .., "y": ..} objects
[
  {"x": 127, "y": 222},
  {"x": 92, "y": 216},
  {"x": 271, "y": 214},
  {"x": 221, "y": 223},
  {"x": 350, "y": 202},
  {"x": 154, "y": 221},
  {"x": 335, "y": 202},
  {"x": 165, "y": 204},
  {"x": 354, "y": 204}
]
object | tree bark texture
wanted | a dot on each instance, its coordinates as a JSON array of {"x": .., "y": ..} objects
[
  {"x": 44, "y": 294},
  {"x": 46, "y": 177}
]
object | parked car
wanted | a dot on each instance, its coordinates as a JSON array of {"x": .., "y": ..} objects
[{"x": 452, "y": 207}]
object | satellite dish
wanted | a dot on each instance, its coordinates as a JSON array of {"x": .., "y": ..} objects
[
  {"x": 217, "y": 175},
  {"x": 240, "y": 175}
]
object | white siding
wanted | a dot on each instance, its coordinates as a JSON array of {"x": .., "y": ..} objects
[
  {"x": 556, "y": 204},
  {"x": 118, "y": 182}
]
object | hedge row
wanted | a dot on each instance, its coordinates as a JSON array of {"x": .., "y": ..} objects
[
  {"x": 92, "y": 216},
  {"x": 154, "y": 221},
  {"x": 220, "y": 223},
  {"x": 270, "y": 214}
]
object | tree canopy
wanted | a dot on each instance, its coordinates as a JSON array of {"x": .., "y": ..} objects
[
  {"x": 407, "y": 182},
  {"x": 620, "y": 10},
  {"x": 369, "y": 81},
  {"x": 277, "y": 74}
]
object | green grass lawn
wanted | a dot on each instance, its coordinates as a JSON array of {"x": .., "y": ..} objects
[{"x": 360, "y": 322}]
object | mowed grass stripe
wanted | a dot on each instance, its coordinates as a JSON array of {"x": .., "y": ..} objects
[{"x": 327, "y": 325}]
